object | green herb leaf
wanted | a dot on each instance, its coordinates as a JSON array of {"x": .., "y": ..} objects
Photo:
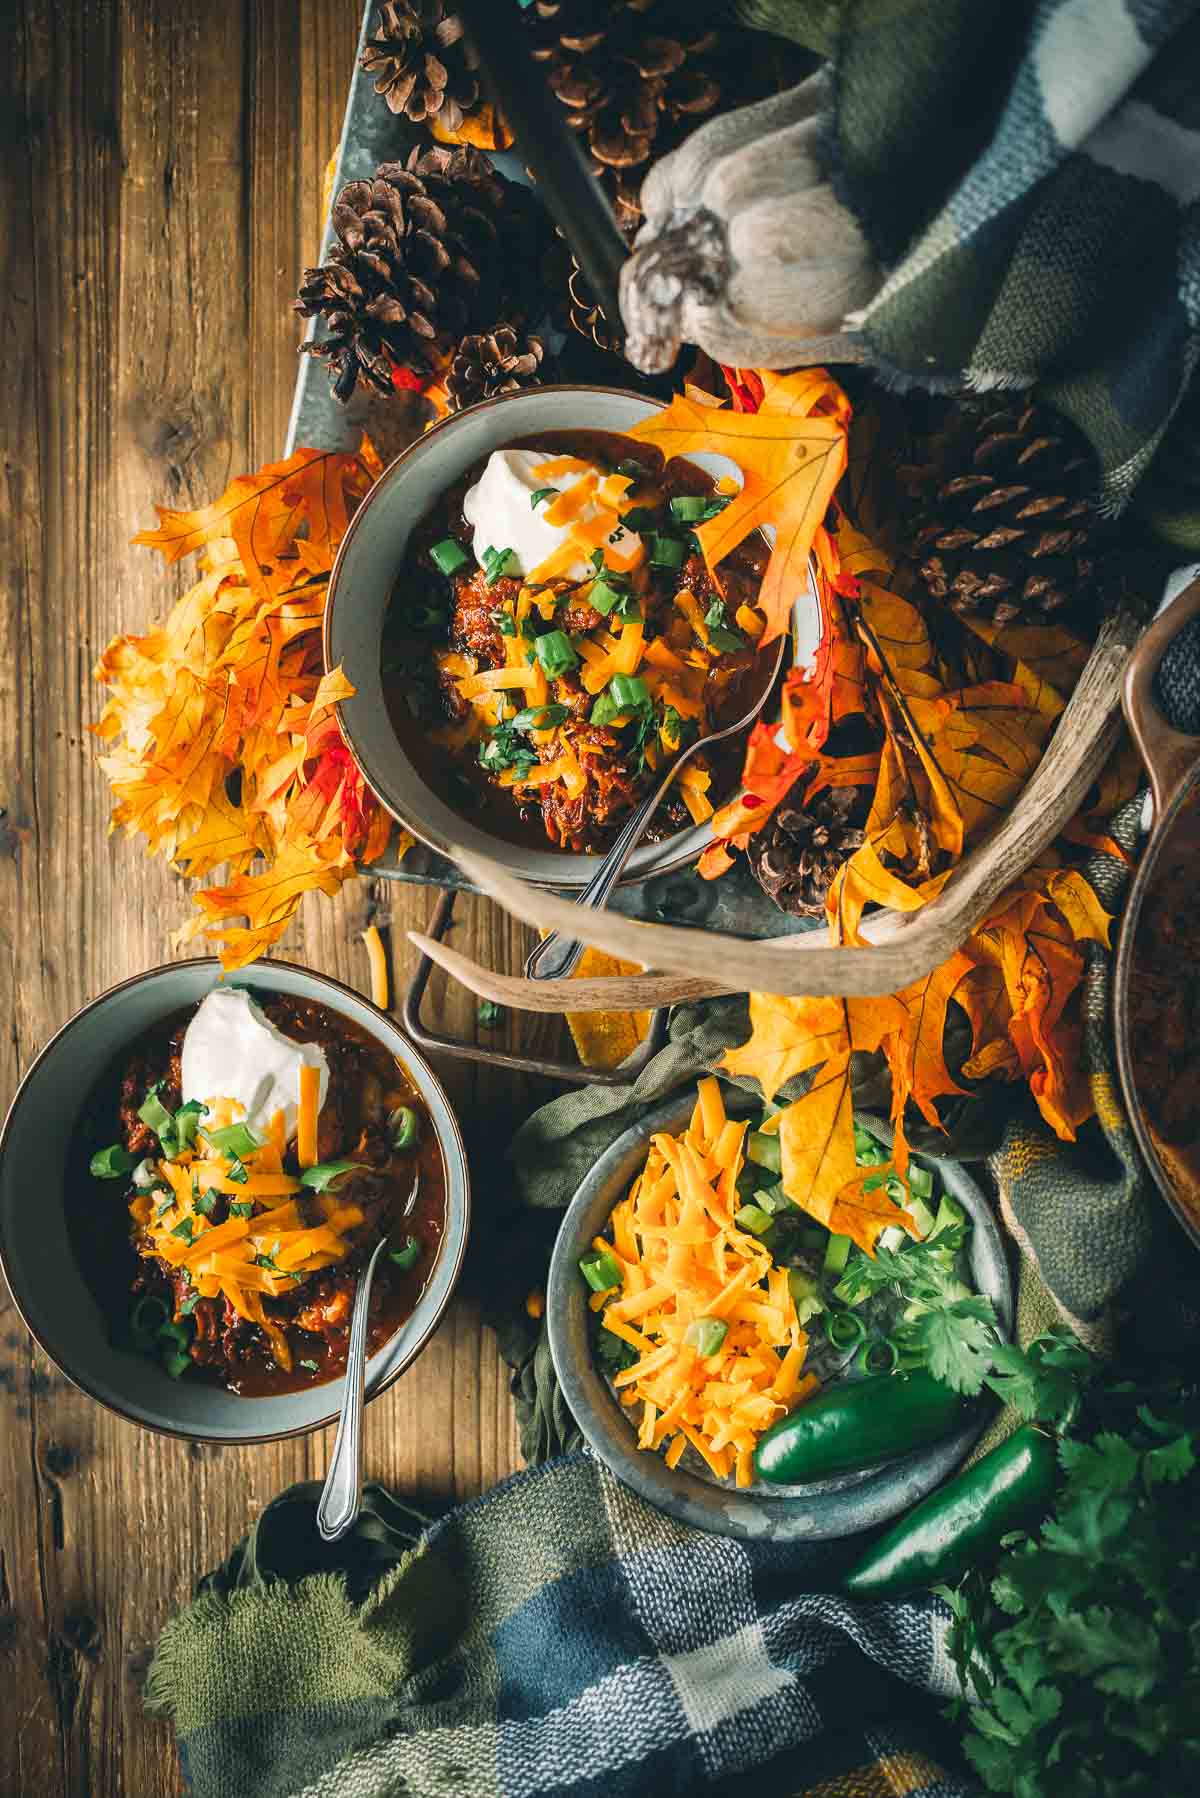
[
  {"x": 321, "y": 1177},
  {"x": 540, "y": 717},
  {"x": 310, "y": 1366},
  {"x": 189, "y": 1304},
  {"x": 402, "y": 1123},
  {"x": 536, "y": 498},
  {"x": 720, "y": 634},
  {"x": 1174, "y": 1461},
  {"x": 489, "y": 1014},
  {"x": 505, "y": 623},
  {"x": 496, "y": 564}
]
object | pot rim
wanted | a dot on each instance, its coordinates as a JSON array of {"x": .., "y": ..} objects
[
  {"x": 1160, "y": 833},
  {"x": 580, "y": 866},
  {"x": 453, "y": 1147}
]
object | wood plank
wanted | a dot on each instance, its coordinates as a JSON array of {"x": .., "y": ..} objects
[{"x": 161, "y": 191}]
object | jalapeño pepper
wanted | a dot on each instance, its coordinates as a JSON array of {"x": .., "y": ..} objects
[
  {"x": 961, "y": 1524},
  {"x": 856, "y": 1424}
]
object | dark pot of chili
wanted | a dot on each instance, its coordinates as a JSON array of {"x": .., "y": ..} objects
[{"x": 1156, "y": 995}]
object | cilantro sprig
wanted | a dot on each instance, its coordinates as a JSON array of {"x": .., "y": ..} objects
[{"x": 1079, "y": 1648}]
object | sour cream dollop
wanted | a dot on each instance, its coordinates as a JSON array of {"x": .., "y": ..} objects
[
  {"x": 232, "y": 1051},
  {"x": 499, "y": 511}
]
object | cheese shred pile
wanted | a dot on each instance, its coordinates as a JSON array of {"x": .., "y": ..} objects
[{"x": 691, "y": 1281}]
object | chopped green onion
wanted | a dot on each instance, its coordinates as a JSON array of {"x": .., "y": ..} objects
[
  {"x": 639, "y": 519},
  {"x": 845, "y": 1329},
  {"x": 241, "y": 1208},
  {"x": 173, "y": 1332},
  {"x": 205, "y": 1203},
  {"x": 753, "y": 1218},
  {"x": 535, "y": 499},
  {"x": 803, "y": 1285},
  {"x": 556, "y": 653},
  {"x": 689, "y": 508},
  {"x": 185, "y": 1228},
  {"x": 407, "y": 1255},
  {"x": 505, "y": 624},
  {"x": 489, "y": 1014},
  {"x": 403, "y": 1126},
  {"x": 186, "y": 1119},
  {"x": 153, "y": 1112},
  {"x": 449, "y": 556},
  {"x": 665, "y": 552},
  {"x": 496, "y": 563},
  {"x": 321, "y": 1177},
  {"x": 868, "y": 1152},
  {"x": 837, "y": 1249},
  {"x": 238, "y": 1173},
  {"x": 604, "y": 710},
  {"x": 764, "y": 1151},
  {"x": 603, "y": 596},
  {"x": 707, "y": 1335},
  {"x": 111, "y": 1163},
  {"x": 601, "y": 1271},
  {"x": 949, "y": 1215},
  {"x": 629, "y": 691},
  {"x": 921, "y": 1215},
  {"x": 234, "y": 1140},
  {"x": 540, "y": 717},
  {"x": 309, "y": 1366},
  {"x": 149, "y": 1314},
  {"x": 773, "y": 1199},
  {"x": 176, "y": 1363},
  {"x": 881, "y": 1356},
  {"x": 920, "y": 1181},
  {"x": 190, "y": 1302}
]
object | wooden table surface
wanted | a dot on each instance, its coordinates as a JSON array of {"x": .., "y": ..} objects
[{"x": 161, "y": 181}]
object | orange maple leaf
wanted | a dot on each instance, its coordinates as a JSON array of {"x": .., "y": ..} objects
[{"x": 791, "y": 454}]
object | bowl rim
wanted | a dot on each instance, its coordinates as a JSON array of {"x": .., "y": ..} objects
[
  {"x": 672, "y": 861},
  {"x": 790, "y": 1513},
  {"x": 455, "y": 1146}
]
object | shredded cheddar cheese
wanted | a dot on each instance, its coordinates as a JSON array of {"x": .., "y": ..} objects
[
  {"x": 686, "y": 1271},
  {"x": 379, "y": 968},
  {"x": 310, "y": 1104}
]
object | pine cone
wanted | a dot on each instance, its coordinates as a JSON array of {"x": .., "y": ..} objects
[
  {"x": 635, "y": 77},
  {"x": 796, "y": 857},
  {"x": 1009, "y": 532},
  {"x": 415, "y": 267},
  {"x": 497, "y": 361},
  {"x": 424, "y": 66}
]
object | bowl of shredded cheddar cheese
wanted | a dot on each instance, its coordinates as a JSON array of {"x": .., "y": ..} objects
[{"x": 679, "y": 1338}]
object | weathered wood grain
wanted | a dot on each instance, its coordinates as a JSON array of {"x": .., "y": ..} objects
[{"x": 159, "y": 190}]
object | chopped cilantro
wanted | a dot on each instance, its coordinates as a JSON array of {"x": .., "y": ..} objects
[{"x": 719, "y": 633}]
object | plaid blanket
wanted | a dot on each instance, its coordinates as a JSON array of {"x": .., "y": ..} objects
[
  {"x": 1028, "y": 174},
  {"x": 557, "y": 1636}
]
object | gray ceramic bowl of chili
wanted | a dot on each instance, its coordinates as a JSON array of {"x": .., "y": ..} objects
[
  {"x": 810, "y": 1513},
  {"x": 38, "y": 1258},
  {"x": 360, "y": 592}
]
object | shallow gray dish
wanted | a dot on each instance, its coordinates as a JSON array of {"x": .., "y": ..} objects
[
  {"x": 360, "y": 590},
  {"x": 37, "y": 1259},
  {"x": 809, "y": 1513}
]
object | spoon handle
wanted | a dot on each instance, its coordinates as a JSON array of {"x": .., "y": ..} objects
[
  {"x": 555, "y": 956},
  {"x": 341, "y": 1497}
]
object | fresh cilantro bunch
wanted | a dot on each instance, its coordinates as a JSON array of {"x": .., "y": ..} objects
[
  {"x": 955, "y": 1333},
  {"x": 1082, "y": 1652}
]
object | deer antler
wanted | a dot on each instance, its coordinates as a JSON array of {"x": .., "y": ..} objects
[{"x": 902, "y": 949}]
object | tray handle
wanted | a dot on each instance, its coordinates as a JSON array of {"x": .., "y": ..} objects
[
  {"x": 1169, "y": 755},
  {"x": 575, "y": 1072}
]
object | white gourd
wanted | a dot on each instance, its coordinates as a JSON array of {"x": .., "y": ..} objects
[{"x": 746, "y": 250}]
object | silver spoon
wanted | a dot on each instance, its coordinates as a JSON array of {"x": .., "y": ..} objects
[
  {"x": 341, "y": 1496},
  {"x": 555, "y": 956}
]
